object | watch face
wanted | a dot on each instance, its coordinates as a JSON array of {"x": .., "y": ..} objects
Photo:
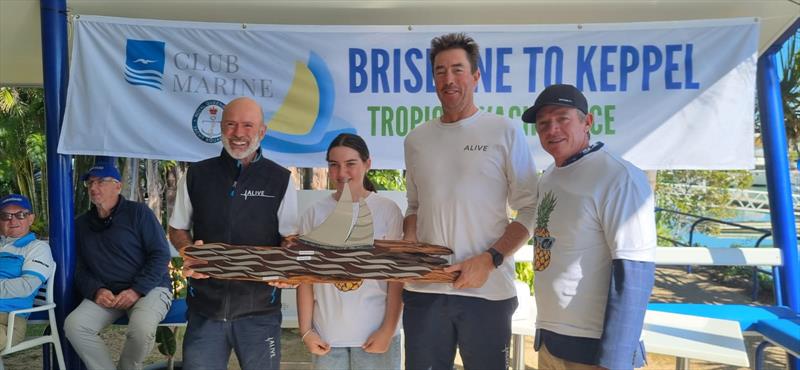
[{"x": 497, "y": 258}]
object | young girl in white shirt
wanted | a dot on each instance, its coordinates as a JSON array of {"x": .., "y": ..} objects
[{"x": 347, "y": 326}]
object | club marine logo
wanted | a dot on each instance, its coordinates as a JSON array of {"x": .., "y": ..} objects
[
  {"x": 206, "y": 121},
  {"x": 144, "y": 63}
]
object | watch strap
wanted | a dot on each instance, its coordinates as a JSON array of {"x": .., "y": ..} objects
[{"x": 497, "y": 257}]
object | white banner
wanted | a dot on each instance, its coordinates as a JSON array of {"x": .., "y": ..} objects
[{"x": 665, "y": 95}]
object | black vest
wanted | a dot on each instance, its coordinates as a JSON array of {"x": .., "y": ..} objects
[{"x": 236, "y": 206}]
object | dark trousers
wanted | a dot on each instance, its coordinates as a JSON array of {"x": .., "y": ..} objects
[
  {"x": 435, "y": 324},
  {"x": 256, "y": 340}
]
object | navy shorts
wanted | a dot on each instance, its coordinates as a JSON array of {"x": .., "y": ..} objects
[{"x": 435, "y": 324}]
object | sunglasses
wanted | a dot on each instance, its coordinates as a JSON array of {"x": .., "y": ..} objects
[
  {"x": 89, "y": 183},
  {"x": 5, "y": 216},
  {"x": 544, "y": 242}
]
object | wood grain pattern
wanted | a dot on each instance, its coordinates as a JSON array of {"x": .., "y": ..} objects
[{"x": 298, "y": 262}]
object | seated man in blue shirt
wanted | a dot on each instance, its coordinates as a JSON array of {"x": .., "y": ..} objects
[
  {"x": 25, "y": 263},
  {"x": 595, "y": 243},
  {"x": 122, "y": 257}
]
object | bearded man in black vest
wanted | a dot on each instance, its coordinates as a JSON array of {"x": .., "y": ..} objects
[{"x": 239, "y": 198}]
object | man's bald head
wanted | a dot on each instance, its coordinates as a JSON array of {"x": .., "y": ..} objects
[
  {"x": 243, "y": 128},
  {"x": 244, "y": 104}
]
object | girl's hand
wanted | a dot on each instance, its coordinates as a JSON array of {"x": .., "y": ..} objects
[
  {"x": 378, "y": 342},
  {"x": 315, "y": 344}
]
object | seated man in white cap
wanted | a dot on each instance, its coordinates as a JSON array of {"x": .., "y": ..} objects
[{"x": 25, "y": 263}]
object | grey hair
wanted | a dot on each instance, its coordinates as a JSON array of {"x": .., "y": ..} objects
[{"x": 582, "y": 118}]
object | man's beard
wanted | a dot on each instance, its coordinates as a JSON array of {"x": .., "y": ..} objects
[{"x": 254, "y": 145}]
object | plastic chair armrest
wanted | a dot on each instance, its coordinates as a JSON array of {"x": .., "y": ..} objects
[
  {"x": 13, "y": 314},
  {"x": 46, "y": 307}
]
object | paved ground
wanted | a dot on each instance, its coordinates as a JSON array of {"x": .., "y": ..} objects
[{"x": 672, "y": 285}]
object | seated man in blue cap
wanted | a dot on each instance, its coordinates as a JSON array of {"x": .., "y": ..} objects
[
  {"x": 122, "y": 257},
  {"x": 25, "y": 263}
]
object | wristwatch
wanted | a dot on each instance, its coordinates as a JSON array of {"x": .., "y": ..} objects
[{"x": 497, "y": 257}]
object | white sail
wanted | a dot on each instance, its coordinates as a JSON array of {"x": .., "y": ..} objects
[{"x": 349, "y": 226}]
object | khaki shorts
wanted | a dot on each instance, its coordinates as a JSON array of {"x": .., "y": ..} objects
[
  {"x": 20, "y": 324},
  {"x": 549, "y": 362}
]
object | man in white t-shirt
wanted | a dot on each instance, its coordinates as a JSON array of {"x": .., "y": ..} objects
[
  {"x": 595, "y": 243},
  {"x": 463, "y": 170}
]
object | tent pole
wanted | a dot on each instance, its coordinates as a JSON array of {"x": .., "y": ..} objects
[
  {"x": 59, "y": 174},
  {"x": 778, "y": 182}
]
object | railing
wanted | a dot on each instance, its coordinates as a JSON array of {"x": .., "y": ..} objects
[
  {"x": 741, "y": 199},
  {"x": 760, "y": 178},
  {"x": 756, "y": 200},
  {"x": 756, "y": 270}
]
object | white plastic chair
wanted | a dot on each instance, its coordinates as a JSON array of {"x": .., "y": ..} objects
[{"x": 42, "y": 302}]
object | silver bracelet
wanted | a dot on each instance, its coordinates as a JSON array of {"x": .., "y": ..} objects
[{"x": 302, "y": 337}]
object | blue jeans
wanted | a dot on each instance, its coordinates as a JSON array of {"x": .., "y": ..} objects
[
  {"x": 256, "y": 340},
  {"x": 354, "y": 358},
  {"x": 435, "y": 324}
]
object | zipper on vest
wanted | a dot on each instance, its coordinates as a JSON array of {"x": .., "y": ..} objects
[
  {"x": 232, "y": 193},
  {"x": 227, "y": 300}
]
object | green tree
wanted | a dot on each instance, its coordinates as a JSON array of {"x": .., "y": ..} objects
[
  {"x": 80, "y": 166},
  {"x": 22, "y": 148},
  {"x": 789, "y": 64},
  {"x": 697, "y": 192},
  {"x": 387, "y": 179}
]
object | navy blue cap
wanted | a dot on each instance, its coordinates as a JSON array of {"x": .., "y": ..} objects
[
  {"x": 560, "y": 94},
  {"x": 16, "y": 200},
  {"x": 102, "y": 171}
]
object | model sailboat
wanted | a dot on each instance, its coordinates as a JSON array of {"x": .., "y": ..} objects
[
  {"x": 348, "y": 227},
  {"x": 342, "y": 249}
]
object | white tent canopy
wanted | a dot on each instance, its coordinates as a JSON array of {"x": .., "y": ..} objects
[{"x": 20, "y": 30}]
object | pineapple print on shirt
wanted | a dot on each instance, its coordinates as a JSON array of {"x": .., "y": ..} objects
[
  {"x": 543, "y": 242},
  {"x": 346, "y": 286}
]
